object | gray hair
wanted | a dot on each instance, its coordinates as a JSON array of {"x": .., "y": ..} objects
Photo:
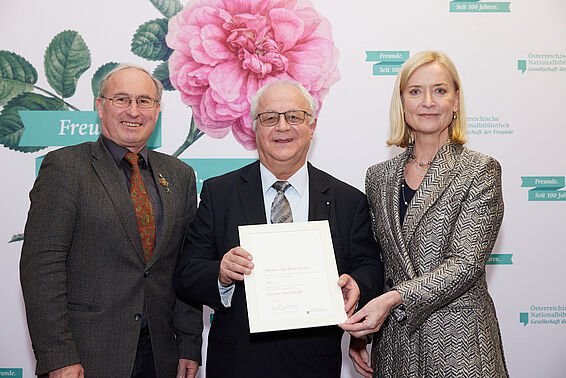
[
  {"x": 291, "y": 83},
  {"x": 122, "y": 66}
]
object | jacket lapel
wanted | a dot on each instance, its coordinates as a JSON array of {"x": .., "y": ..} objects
[
  {"x": 167, "y": 203},
  {"x": 117, "y": 190},
  {"x": 435, "y": 182},
  {"x": 319, "y": 196},
  {"x": 392, "y": 213},
  {"x": 251, "y": 195}
]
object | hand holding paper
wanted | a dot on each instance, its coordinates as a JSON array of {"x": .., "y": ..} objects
[
  {"x": 295, "y": 280},
  {"x": 350, "y": 292},
  {"x": 235, "y": 263},
  {"x": 371, "y": 317}
]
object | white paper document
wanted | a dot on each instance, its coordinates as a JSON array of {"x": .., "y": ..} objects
[{"x": 294, "y": 280}]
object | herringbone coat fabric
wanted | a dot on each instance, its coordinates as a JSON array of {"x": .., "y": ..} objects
[{"x": 436, "y": 260}]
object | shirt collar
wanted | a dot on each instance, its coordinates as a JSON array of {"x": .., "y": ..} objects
[
  {"x": 118, "y": 152},
  {"x": 299, "y": 181}
]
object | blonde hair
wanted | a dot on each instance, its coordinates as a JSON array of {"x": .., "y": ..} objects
[{"x": 400, "y": 133}]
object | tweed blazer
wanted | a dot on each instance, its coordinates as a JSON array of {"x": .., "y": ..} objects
[
  {"x": 84, "y": 277},
  {"x": 436, "y": 260}
]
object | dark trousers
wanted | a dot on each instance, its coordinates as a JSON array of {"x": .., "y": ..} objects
[{"x": 144, "y": 366}]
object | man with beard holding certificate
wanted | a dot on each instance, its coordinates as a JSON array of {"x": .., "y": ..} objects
[{"x": 280, "y": 187}]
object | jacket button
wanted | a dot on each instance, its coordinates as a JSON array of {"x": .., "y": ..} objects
[
  {"x": 146, "y": 273},
  {"x": 389, "y": 282},
  {"x": 137, "y": 317}
]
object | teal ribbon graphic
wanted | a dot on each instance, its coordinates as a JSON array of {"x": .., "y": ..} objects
[
  {"x": 522, "y": 65},
  {"x": 12, "y": 372},
  {"x": 545, "y": 188},
  {"x": 477, "y": 6},
  {"x": 500, "y": 259},
  {"x": 66, "y": 128},
  {"x": 388, "y": 62},
  {"x": 38, "y": 161},
  {"x": 207, "y": 168},
  {"x": 524, "y": 318}
]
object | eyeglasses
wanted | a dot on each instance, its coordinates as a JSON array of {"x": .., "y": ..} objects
[
  {"x": 293, "y": 117},
  {"x": 125, "y": 101}
]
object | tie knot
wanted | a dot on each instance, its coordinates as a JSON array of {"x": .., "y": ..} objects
[
  {"x": 281, "y": 186},
  {"x": 132, "y": 158}
]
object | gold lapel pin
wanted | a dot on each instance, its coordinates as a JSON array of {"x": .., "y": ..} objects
[{"x": 164, "y": 183}]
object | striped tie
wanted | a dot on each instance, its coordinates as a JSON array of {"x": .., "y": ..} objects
[{"x": 280, "y": 208}]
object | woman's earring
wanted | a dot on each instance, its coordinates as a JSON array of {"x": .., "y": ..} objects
[{"x": 454, "y": 116}]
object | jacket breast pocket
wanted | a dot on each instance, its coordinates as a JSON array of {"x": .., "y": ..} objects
[
  {"x": 83, "y": 307},
  {"x": 82, "y": 314}
]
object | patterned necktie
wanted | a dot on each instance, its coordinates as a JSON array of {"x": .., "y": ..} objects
[
  {"x": 280, "y": 208},
  {"x": 142, "y": 206}
]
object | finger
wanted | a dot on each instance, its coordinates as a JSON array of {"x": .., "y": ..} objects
[
  {"x": 241, "y": 266},
  {"x": 370, "y": 324},
  {"x": 238, "y": 264},
  {"x": 365, "y": 356},
  {"x": 192, "y": 369},
  {"x": 356, "y": 330},
  {"x": 361, "y": 333},
  {"x": 349, "y": 304},
  {"x": 355, "y": 356},
  {"x": 343, "y": 280},
  {"x": 361, "y": 363},
  {"x": 362, "y": 371},
  {"x": 357, "y": 317},
  {"x": 234, "y": 276},
  {"x": 181, "y": 368},
  {"x": 364, "y": 326},
  {"x": 239, "y": 251}
]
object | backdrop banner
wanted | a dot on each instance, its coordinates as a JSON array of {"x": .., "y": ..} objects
[{"x": 511, "y": 57}]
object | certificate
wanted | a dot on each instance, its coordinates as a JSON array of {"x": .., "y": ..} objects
[{"x": 294, "y": 280}]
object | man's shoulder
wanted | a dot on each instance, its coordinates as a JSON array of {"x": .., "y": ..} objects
[
  {"x": 70, "y": 154},
  {"x": 165, "y": 159},
  {"x": 80, "y": 148}
]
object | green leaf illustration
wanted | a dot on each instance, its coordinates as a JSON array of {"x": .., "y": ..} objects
[
  {"x": 11, "y": 126},
  {"x": 149, "y": 40},
  {"x": 16, "y": 237},
  {"x": 168, "y": 8},
  {"x": 17, "y": 76},
  {"x": 98, "y": 75},
  {"x": 161, "y": 73},
  {"x": 67, "y": 57}
]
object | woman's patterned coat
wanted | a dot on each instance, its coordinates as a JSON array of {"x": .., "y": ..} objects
[{"x": 436, "y": 260}]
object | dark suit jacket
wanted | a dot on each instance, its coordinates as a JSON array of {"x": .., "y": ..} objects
[
  {"x": 236, "y": 199},
  {"x": 83, "y": 274}
]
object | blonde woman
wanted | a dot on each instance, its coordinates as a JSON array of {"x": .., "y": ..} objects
[{"x": 436, "y": 211}]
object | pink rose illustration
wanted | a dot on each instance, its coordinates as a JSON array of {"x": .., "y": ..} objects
[{"x": 225, "y": 50}]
